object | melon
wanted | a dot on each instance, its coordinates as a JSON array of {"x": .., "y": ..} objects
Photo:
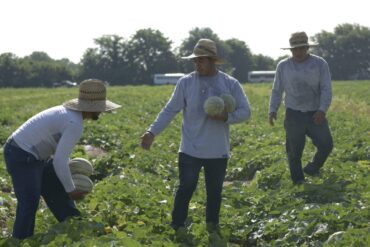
[
  {"x": 82, "y": 182},
  {"x": 81, "y": 166},
  {"x": 214, "y": 106},
  {"x": 229, "y": 101}
]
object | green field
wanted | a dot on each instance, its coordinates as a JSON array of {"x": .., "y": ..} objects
[{"x": 133, "y": 195}]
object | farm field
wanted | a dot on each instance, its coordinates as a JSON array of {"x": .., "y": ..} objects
[{"x": 133, "y": 195}]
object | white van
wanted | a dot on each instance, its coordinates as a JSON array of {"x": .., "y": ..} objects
[
  {"x": 167, "y": 79},
  {"x": 261, "y": 76}
]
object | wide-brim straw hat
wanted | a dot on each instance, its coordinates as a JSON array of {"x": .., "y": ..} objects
[
  {"x": 299, "y": 39},
  {"x": 205, "y": 48},
  {"x": 91, "y": 98}
]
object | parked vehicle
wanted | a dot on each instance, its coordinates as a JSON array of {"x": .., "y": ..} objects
[
  {"x": 65, "y": 83},
  {"x": 261, "y": 76},
  {"x": 166, "y": 79}
]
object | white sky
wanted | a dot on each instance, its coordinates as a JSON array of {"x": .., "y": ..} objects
[{"x": 66, "y": 28}]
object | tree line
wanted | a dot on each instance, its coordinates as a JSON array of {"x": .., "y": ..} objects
[{"x": 121, "y": 61}]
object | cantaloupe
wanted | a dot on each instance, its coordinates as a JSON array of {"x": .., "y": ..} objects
[
  {"x": 81, "y": 166},
  {"x": 229, "y": 101},
  {"x": 82, "y": 182},
  {"x": 214, "y": 106}
]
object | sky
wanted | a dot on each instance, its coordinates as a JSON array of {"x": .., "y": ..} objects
[{"x": 65, "y": 29}]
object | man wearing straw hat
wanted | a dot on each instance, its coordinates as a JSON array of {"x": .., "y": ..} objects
[
  {"x": 37, "y": 156},
  {"x": 305, "y": 79},
  {"x": 204, "y": 139}
]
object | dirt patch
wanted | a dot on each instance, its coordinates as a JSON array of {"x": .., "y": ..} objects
[{"x": 94, "y": 152}]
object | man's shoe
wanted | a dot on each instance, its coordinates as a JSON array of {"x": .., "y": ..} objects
[
  {"x": 216, "y": 240},
  {"x": 212, "y": 227},
  {"x": 214, "y": 236},
  {"x": 181, "y": 233},
  {"x": 183, "y": 236},
  {"x": 311, "y": 170}
]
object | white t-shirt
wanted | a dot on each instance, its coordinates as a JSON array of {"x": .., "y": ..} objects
[{"x": 52, "y": 133}]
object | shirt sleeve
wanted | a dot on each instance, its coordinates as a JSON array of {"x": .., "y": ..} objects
[
  {"x": 243, "y": 111},
  {"x": 69, "y": 138},
  {"x": 325, "y": 87},
  {"x": 174, "y": 105},
  {"x": 277, "y": 91}
]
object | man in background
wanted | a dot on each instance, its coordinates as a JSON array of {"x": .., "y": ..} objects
[{"x": 305, "y": 79}]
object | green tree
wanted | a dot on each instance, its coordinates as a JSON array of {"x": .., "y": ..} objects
[
  {"x": 149, "y": 52},
  {"x": 187, "y": 46},
  {"x": 35, "y": 70},
  {"x": 90, "y": 64},
  {"x": 9, "y": 71},
  {"x": 74, "y": 70},
  {"x": 261, "y": 62},
  {"x": 39, "y": 56},
  {"x": 240, "y": 58},
  {"x": 107, "y": 61},
  {"x": 347, "y": 51}
]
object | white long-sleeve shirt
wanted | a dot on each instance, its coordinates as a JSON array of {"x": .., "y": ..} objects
[
  {"x": 201, "y": 136},
  {"x": 307, "y": 85},
  {"x": 52, "y": 133}
]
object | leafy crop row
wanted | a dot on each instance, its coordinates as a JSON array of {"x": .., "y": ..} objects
[{"x": 133, "y": 195}]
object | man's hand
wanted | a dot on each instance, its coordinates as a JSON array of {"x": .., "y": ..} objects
[
  {"x": 272, "y": 118},
  {"x": 319, "y": 117},
  {"x": 77, "y": 195},
  {"x": 221, "y": 117},
  {"x": 147, "y": 140}
]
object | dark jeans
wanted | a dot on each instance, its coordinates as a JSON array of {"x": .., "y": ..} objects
[
  {"x": 189, "y": 169},
  {"x": 31, "y": 179},
  {"x": 297, "y": 125}
]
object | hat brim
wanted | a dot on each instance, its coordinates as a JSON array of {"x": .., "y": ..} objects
[
  {"x": 218, "y": 60},
  {"x": 300, "y": 45},
  {"x": 90, "y": 106}
]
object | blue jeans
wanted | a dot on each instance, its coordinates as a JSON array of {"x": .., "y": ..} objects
[
  {"x": 189, "y": 169},
  {"x": 31, "y": 179},
  {"x": 298, "y": 125}
]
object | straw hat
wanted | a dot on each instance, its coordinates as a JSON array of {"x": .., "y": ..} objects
[
  {"x": 205, "y": 48},
  {"x": 91, "y": 98},
  {"x": 299, "y": 39}
]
